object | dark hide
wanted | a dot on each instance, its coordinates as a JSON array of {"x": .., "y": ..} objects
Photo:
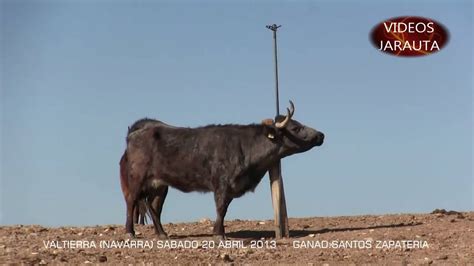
[
  {"x": 141, "y": 210},
  {"x": 228, "y": 160}
]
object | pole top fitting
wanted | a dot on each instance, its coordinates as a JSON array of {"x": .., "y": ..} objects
[{"x": 273, "y": 27}]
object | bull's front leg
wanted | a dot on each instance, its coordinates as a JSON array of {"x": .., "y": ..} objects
[{"x": 222, "y": 200}]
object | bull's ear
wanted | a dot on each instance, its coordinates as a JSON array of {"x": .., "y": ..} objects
[
  {"x": 271, "y": 133},
  {"x": 270, "y": 130},
  {"x": 267, "y": 122}
]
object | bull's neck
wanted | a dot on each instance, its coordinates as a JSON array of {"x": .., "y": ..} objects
[{"x": 261, "y": 150}]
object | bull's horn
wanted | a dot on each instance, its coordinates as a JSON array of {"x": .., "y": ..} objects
[
  {"x": 284, "y": 122},
  {"x": 292, "y": 108}
]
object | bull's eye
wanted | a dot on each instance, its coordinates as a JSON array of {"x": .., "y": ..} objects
[{"x": 296, "y": 129}]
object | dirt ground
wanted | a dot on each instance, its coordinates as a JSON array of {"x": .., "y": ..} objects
[{"x": 440, "y": 238}]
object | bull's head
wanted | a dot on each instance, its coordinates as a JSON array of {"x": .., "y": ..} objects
[{"x": 291, "y": 134}]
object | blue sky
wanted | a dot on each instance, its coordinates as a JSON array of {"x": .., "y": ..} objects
[{"x": 75, "y": 74}]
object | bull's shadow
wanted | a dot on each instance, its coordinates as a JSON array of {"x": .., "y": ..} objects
[{"x": 258, "y": 234}]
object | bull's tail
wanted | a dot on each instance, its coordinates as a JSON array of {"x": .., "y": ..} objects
[
  {"x": 124, "y": 174},
  {"x": 141, "y": 211}
]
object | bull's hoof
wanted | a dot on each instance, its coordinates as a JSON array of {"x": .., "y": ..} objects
[{"x": 131, "y": 235}]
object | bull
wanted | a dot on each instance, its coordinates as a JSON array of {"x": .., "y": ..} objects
[{"x": 228, "y": 160}]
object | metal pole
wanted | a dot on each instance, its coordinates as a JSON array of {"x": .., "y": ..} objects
[
  {"x": 274, "y": 28},
  {"x": 276, "y": 180}
]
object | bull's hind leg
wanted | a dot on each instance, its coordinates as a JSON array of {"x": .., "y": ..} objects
[
  {"x": 155, "y": 205},
  {"x": 136, "y": 214},
  {"x": 131, "y": 201},
  {"x": 222, "y": 200}
]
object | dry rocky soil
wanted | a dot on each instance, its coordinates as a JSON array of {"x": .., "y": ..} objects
[{"x": 441, "y": 237}]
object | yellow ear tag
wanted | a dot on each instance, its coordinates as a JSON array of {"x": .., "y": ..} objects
[{"x": 270, "y": 136}]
